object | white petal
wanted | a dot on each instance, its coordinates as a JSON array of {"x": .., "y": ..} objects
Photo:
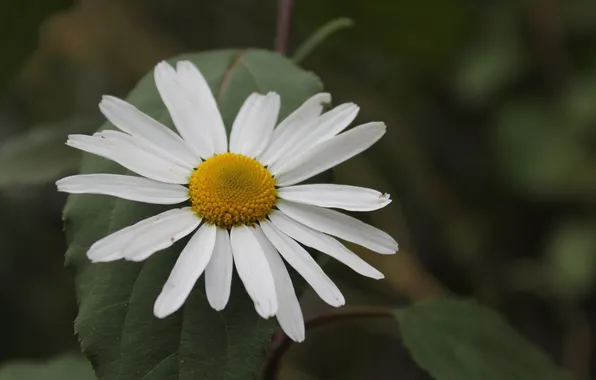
[
  {"x": 127, "y": 141},
  {"x": 351, "y": 198},
  {"x": 188, "y": 268},
  {"x": 206, "y": 111},
  {"x": 161, "y": 236},
  {"x": 182, "y": 110},
  {"x": 110, "y": 247},
  {"x": 218, "y": 275},
  {"x": 304, "y": 264},
  {"x": 124, "y": 186},
  {"x": 289, "y": 313},
  {"x": 330, "y": 153},
  {"x": 254, "y": 124},
  {"x": 124, "y": 142},
  {"x": 340, "y": 225},
  {"x": 131, "y": 157},
  {"x": 321, "y": 129},
  {"x": 92, "y": 144},
  {"x": 129, "y": 119},
  {"x": 323, "y": 243},
  {"x": 254, "y": 271},
  {"x": 292, "y": 126},
  {"x": 250, "y": 104}
]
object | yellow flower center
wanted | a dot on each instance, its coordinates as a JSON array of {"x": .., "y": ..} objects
[{"x": 231, "y": 189}]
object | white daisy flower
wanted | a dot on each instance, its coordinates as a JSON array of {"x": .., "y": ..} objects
[{"x": 243, "y": 197}]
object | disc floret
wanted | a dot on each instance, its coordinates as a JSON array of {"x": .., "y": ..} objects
[{"x": 232, "y": 189}]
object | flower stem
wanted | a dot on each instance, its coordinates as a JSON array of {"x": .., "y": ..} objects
[{"x": 284, "y": 21}]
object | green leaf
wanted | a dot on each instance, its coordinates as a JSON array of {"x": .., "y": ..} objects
[
  {"x": 456, "y": 339},
  {"x": 115, "y": 324},
  {"x": 67, "y": 367},
  {"x": 40, "y": 155}
]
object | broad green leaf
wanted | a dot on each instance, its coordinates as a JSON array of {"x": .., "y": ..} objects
[
  {"x": 40, "y": 155},
  {"x": 115, "y": 324},
  {"x": 67, "y": 367},
  {"x": 457, "y": 339}
]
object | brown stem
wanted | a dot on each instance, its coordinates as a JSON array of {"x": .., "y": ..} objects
[
  {"x": 280, "y": 342},
  {"x": 284, "y": 21}
]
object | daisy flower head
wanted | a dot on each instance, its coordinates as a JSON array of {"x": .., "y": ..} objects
[{"x": 244, "y": 205}]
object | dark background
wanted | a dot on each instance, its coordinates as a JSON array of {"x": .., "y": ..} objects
[{"x": 490, "y": 156}]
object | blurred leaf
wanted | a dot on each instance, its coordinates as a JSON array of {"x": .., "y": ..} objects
[
  {"x": 40, "y": 155},
  {"x": 67, "y": 367},
  {"x": 488, "y": 68},
  {"x": 571, "y": 259},
  {"x": 456, "y": 339},
  {"x": 116, "y": 325},
  {"x": 539, "y": 155},
  {"x": 19, "y": 31},
  {"x": 578, "y": 104},
  {"x": 36, "y": 157},
  {"x": 495, "y": 60}
]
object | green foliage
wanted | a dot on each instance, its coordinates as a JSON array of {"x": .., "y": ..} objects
[
  {"x": 67, "y": 367},
  {"x": 456, "y": 339},
  {"x": 319, "y": 36},
  {"x": 438, "y": 72},
  {"x": 405, "y": 32},
  {"x": 495, "y": 62},
  {"x": 115, "y": 324},
  {"x": 40, "y": 155},
  {"x": 578, "y": 104},
  {"x": 540, "y": 155},
  {"x": 571, "y": 259}
]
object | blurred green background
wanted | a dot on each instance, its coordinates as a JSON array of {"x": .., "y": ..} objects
[{"x": 490, "y": 156}]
